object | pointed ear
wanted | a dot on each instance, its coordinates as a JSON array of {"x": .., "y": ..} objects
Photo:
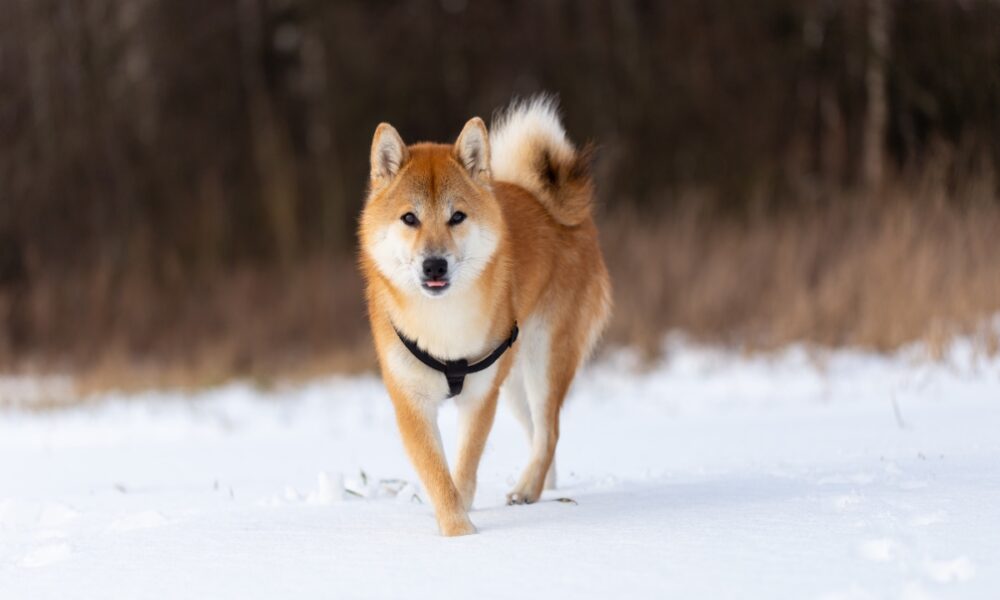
[
  {"x": 389, "y": 154},
  {"x": 473, "y": 149}
]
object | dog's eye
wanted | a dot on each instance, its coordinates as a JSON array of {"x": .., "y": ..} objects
[
  {"x": 456, "y": 218},
  {"x": 410, "y": 219}
]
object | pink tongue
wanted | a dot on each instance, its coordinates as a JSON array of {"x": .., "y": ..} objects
[{"x": 436, "y": 283}]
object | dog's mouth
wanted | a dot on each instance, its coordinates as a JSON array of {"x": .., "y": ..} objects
[{"x": 435, "y": 286}]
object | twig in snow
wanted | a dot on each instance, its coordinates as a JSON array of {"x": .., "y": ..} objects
[
  {"x": 897, "y": 412},
  {"x": 392, "y": 486}
]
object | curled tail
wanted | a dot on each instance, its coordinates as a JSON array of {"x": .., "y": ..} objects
[{"x": 529, "y": 147}]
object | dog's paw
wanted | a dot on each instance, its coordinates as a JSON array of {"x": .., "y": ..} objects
[
  {"x": 457, "y": 526},
  {"x": 521, "y": 497}
]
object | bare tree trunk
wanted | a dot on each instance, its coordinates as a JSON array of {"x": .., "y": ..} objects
[
  {"x": 321, "y": 138},
  {"x": 873, "y": 150},
  {"x": 271, "y": 147}
]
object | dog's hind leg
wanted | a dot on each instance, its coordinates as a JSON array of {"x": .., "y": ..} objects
[
  {"x": 550, "y": 477},
  {"x": 547, "y": 376},
  {"x": 516, "y": 397}
]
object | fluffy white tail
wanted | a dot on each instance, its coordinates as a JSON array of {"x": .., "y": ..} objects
[{"x": 529, "y": 147}]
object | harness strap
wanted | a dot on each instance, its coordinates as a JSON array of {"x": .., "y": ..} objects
[{"x": 456, "y": 370}]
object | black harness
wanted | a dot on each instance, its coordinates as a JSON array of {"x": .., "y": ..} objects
[{"x": 456, "y": 370}]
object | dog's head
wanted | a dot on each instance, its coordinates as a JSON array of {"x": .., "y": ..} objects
[{"x": 431, "y": 223}]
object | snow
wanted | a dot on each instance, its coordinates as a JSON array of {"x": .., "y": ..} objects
[{"x": 707, "y": 475}]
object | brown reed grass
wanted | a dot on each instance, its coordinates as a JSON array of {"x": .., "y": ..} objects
[{"x": 877, "y": 272}]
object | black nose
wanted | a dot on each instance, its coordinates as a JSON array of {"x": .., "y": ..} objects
[{"x": 435, "y": 268}]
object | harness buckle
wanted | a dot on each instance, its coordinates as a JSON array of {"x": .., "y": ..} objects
[{"x": 455, "y": 372}]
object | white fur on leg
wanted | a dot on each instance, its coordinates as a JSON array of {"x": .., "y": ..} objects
[
  {"x": 550, "y": 477},
  {"x": 516, "y": 398},
  {"x": 533, "y": 361}
]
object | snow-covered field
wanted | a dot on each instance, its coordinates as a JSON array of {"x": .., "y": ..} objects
[{"x": 708, "y": 476}]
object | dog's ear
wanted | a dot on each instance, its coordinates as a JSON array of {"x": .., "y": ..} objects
[
  {"x": 389, "y": 154},
  {"x": 473, "y": 149}
]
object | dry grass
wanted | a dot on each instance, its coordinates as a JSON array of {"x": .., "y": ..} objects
[
  {"x": 259, "y": 323},
  {"x": 877, "y": 274}
]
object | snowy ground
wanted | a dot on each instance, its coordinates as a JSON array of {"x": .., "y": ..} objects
[{"x": 710, "y": 476}]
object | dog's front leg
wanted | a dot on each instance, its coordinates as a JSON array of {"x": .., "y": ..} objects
[
  {"x": 475, "y": 422},
  {"x": 419, "y": 431}
]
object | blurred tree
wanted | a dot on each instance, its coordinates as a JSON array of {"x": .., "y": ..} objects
[
  {"x": 178, "y": 137},
  {"x": 876, "y": 96}
]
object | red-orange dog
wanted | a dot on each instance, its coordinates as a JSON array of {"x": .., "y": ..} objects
[{"x": 484, "y": 274}]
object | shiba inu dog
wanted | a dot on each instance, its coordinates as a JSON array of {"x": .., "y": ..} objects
[{"x": 484, "y": 275}]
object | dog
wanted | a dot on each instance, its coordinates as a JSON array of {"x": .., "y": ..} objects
[{"x": 483, "y": 275}]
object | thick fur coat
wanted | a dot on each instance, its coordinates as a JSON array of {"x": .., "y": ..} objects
[{"x": 458, "y": 243}]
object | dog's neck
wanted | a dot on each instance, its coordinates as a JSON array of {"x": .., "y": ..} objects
[{"x": 465, "y": 323}]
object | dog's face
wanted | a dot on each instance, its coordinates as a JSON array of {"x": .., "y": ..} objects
[{"x": 431, "y": 223}]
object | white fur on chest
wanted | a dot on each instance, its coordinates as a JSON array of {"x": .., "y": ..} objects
[{"x": 451, "y": 327}]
